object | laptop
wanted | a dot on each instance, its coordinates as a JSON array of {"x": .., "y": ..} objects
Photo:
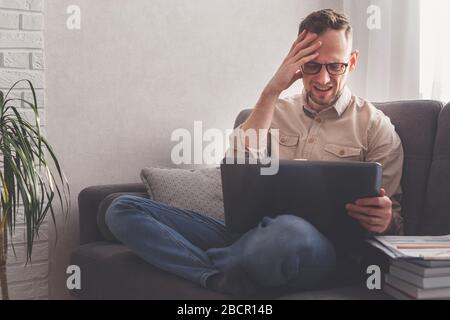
[{"x": 316, "y": 191}]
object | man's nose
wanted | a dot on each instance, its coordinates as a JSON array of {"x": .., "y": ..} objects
[{"x": 323, "y": 77}]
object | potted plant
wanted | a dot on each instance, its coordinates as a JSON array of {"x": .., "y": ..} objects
[{"x": 26, "y": 176}]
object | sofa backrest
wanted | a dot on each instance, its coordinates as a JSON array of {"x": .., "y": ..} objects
[
  {"x": 436, "y": 218},
  {"x": 416, "y": 124}
]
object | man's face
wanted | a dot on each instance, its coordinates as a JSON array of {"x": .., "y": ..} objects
[{"x": 324, "y": 88}]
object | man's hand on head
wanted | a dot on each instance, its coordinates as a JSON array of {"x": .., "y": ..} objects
[
  {"x": 303, "y": 50},
  {"x": 374, "y": 214}
]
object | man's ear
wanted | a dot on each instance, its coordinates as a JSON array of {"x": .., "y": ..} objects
[{"x": 353, "y": 59}]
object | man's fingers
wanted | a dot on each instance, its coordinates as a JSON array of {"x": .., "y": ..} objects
[
  {"x": 306, "y": 59},
  {"x": 372, "y": 221},
  {"x": 309, "y": 38},
  {"x": 300, "y": 38},
  {"x": 368, "y": 211},
  {"x": 376, "y": 201},
  {"x": 304, "y": 42},
  {"x": 290, "y": 70},
  {"x": 305, "y": 52},
  {"x": 371, "y": 228}
]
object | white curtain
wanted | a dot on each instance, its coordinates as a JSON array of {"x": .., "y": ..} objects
[
  {"x": 386, "y": 32},
  {"x": 435, "y": 50}
]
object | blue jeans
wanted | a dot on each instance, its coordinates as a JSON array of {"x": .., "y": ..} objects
[{"x": 281, "y": 251}]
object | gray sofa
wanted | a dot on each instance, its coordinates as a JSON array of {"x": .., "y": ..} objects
[{"x": 112, "y": 271}]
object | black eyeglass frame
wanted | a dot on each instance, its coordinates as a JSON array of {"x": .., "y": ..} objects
[{"x": 327, "y": 66}]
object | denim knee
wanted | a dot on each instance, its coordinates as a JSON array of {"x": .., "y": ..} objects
[
  {"x": 302, "y": 237},
  {"x": 287, "y": 248},
  {"x": 114, "y": 216}
]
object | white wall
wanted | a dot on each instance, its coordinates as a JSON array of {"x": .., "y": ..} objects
[
  {"x": 139, "y": 69},
  {"x": 21, "y": 57}
]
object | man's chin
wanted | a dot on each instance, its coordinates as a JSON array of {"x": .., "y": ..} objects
[{"x": 323, "y": 101}]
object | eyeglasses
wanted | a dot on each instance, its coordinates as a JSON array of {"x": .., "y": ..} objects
[{"x": 335, "y": 69}]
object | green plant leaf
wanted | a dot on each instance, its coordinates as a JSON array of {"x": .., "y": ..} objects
[{"x": 27, "y": 177}]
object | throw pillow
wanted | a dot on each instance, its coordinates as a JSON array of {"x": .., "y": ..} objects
[{"x": 198, "y": 190}]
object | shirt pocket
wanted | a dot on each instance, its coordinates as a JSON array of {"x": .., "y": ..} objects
[
  {"x": 341, "y": 153},
  {"x": 288, "y": 144}
]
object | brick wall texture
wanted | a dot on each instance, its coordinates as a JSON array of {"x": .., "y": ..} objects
[{"x": 22, "y": 57}]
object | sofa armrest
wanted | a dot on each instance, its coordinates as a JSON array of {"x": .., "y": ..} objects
[{"x": 89, "y": 200}]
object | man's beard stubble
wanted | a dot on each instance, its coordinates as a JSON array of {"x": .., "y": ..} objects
[{"x": 322, "y": 106}]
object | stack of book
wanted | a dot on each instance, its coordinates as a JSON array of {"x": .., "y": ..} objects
[
  {"x": 418, "y": 279},
  {"x": 419, "y": 267}
]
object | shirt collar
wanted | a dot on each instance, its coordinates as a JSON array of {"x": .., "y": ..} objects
[{"x": 339, "y": 106}]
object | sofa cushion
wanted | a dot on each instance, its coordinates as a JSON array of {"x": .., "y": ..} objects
[
  {"x": 112, "y": 271},
  {"x": 198, "y": 190},
  {"x": 416, "y": 124},
  {"x": 436, "y": 218}
]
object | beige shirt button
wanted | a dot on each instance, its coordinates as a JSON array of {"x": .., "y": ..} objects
[
  {"x": 283, "y": 140},
  {"x": 311, "y": 140},
  {"x": 342, "y": 152},
  {"x": 319, "y": 120}
]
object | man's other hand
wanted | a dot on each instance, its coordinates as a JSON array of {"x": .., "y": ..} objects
[{"x": 374, "y": 214}]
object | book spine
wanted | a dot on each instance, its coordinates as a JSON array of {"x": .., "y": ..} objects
[{"x": 423, "y": 283}]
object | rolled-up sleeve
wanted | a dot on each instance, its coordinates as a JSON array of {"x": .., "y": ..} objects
[{"x": 385, "y": 147}]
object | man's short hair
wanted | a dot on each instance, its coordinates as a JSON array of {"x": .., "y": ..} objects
[{"x": 319, "y": 21}]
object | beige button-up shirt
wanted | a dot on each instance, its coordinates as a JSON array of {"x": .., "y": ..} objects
[{"x": 350, "y": 130}]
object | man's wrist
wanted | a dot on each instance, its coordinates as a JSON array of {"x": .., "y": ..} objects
[{"x": 267, "y": 100}]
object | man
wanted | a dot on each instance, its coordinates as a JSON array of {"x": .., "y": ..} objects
[{"x": 325, "y": 122}]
